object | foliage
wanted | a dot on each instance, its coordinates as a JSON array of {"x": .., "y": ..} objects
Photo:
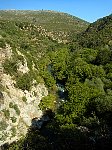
[
  {"x": 10, "y": 67},
  {"x": 24, "y": 99},
  {"x": 83, "y": 67},
  {"x": 24, "y": 81},
  {"x": 59, "y": 62},
  {"x": 97, "y": 34},
  {"x": 11, "y": 105},
  {"x": 61, "y": 25},
  {"x": 48, "y": 102},
  {"x": 4, "y": 136},
  {"x": 16, "y": 109},
  {"x": 3, "y": 125},
  {"x": 2, "y": 43},
  {"x": 13, "y": 119},
  {"x": 6, "y": 113},
  {"x": 13, "y": 129},
  {"x": 14, "y": 106}
]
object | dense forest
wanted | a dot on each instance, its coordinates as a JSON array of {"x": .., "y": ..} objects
[{"x": 81, "y": 111}]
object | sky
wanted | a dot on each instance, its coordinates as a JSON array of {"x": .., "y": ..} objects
[{"x": 89, "y": 10}]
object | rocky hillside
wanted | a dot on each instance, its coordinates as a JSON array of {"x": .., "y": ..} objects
[
  {"x": 22, "y": 86},
  {"x": 18, "y": 105},
  {"x": 59, "y": 25}
]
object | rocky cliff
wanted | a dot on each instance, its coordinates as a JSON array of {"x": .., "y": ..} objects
[{"x": 17, "y": 107}]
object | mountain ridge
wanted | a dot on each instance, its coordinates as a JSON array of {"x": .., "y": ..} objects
[
  {"x": 55, "y": 22},
  {"x": 97, "y": 33}
]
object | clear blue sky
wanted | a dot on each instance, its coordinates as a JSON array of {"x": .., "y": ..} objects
[{"x": 89, "y": 10}]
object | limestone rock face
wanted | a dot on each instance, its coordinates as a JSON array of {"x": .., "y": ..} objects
[
  {"x": 17, "y": 113},
  {"x": 17, "y": 107}
]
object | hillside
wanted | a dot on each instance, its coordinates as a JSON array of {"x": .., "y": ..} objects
[
  {"x": 55, "y": 91},
  {"x": 21, "y": 87},
  {"x": 58, "y": 25},
  {"x": 97, "y": 34},
  {"x": 25, "y": 39}
]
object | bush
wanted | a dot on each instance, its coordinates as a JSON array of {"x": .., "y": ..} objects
[
  {"x": 13, "y": 129},
  {"x": 13, "y": 119},
  {"x": 48, "y": 102},
  {"x": 4, "y": 136},
  {"x": 24, "y": 81},
  {"x": 16, "y": 109},
  {"x": 11, "y": 105},
  {"x": 24, "y": 99},
  {"x": 10, "y": 67},
  {"x": 3, "y": 125},
  {"x": 6, "y": 113}
]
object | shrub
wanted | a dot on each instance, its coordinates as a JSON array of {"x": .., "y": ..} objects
[
  {"x": 10, "y": 67},
  {"x": 6, "y": 113},
  {"x": 4, "y": 136},
  {"x": 13, "y": 119},
  {"x": 11, "y": 105},
  {"x": 3, "y": 125},
  {"x": 16, "y": 109},
  {"x": 24, "y": 81},
  {"x": 13, "y": 129},
  {"x": 24, "y": 99},
  {"x": 48, "y": 102}
]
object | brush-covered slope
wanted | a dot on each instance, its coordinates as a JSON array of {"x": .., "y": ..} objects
[
  {"x": 25, "y": 39},
  {"x": 97, "y": 34},
  {"x": 21, "y": 86},
  {"x": 84, "y": 74},
  {"x": 59, "y": 25},
  {"x": 39, "y": 72}
]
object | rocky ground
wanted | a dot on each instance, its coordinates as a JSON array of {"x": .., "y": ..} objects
[{"x": 17, "y": 107}]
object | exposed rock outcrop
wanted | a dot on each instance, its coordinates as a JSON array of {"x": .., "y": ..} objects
[{"x": 17, "y": 107}]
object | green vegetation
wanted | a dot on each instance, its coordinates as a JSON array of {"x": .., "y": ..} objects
[
  {"x": 6, "y": 113},
  {"x": 11, "y": 105},
  {"x": 10, "y": 67},
  {"x": 13, "y": 129},
  {"x": 24, "y": 99},
  {"x": 24, "y": 82},
  {"x": 60, "y": 25},
  {"x": 13, "y": 119},
  {"x": 48, "y": 102},
  {"x": 3, "y": 125},
  {"x": 97, "y": 34},
  {"x": 83, "y": 67},
  {"x": 4, "y": 136},
  {"x": 2, "y": 43},
  {"x": 14, "y": 106},
  {"x": 16, "y": 109}
]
